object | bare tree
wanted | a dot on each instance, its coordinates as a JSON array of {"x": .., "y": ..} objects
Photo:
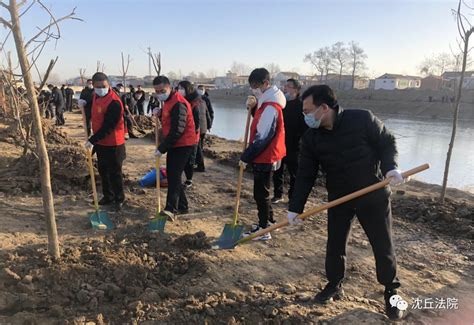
[
  {"x": 341, "y": 56},
  {"x": 239, "y": 68},
  {"x": 272, "y": 68},
  {"x": 357, "y": 57},
  {"x": 100, "y": 67},
  {"x": 465, "y": 30},
  {"x": 172, "y": 75},
  {"x": 25, "y": 65},
  {"x": 317, "y": 61},
  {"x": 156, "y": 60},
  {"x": 212, "y": 73},
  {"x": 82, "y": 75},
  {"x": 125, "y": 66}
]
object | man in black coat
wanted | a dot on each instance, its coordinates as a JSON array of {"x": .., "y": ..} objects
[
  {"x": 355, "y": 150},
  {"x": 85, "y": 100},
  {"x": 295, "y": 127},
  {"x": 69, "y": 95},
  {"x": 57, "y": 100}
]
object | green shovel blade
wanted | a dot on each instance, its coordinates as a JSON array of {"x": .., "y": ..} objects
[
  {"x": 157, "y": 224},
  {"x": 100, "y": 220},
  {"x": 229, "y": 237}
]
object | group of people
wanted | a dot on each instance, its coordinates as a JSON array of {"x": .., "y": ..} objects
[
  {"x": 55, "y": 101},
  {"x": 302, "y": 133}
]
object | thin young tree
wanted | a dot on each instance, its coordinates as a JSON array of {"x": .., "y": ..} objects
[
  {"x": 125, "y": 65},
  {"x": 465, "y": 30},
  {"x": 82, "y": 75},
  {"x": 14, "y": 26},
  {"x": 156, "y": 60},
  {"x": 357, "y": 58},
  {"x": 316, "y": 60},
  {"x": 341, "y": 56}
]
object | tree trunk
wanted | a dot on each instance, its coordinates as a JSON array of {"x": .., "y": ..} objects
[
  {"x": 340, "y": 77},
  {"x": 455, "y": 119},
  {"x": 353, "y": 73},
  {"x": 46, "y": 190}
]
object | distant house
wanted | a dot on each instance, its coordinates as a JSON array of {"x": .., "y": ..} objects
[
  {"x": 345, "y": 82},
  {"x": 432, "y": 83},
  {"x": 451, "y": 79},
  {"x": 281, "y": 77},
  {"x": 231, "y": 80},
  {"x": 391, "y": 81}
]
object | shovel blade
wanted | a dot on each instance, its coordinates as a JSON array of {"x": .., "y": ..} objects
[
  {"x": 157, "y": 224},
  {"x": 229, "y": 237},
  {"x": 100, "y": 220}
]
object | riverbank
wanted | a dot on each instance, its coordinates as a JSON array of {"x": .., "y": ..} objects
[
  {"x": 405, "y": 104},
  {"x": 128, "y": 275}
]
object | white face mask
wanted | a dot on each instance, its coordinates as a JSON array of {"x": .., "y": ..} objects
[
  {"x": 90, "y": 86},
  {"x": 163, "y": 97},
  {"x": 182, "y": 91},
  {"x": 201, "y": 92},
  {"x": 101, "y": 92}
]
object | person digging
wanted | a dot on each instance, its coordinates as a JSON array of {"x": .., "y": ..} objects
[{"x": 355, "y": 150}]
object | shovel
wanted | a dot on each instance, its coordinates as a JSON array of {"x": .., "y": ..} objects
[
  {"x": 231, "y": 244},
  {"x": 139, "y": 129},
  {"x": 99, "y": 219},
  {"x": 157, "y": 224},
  {"x": 232, "y": 232}
]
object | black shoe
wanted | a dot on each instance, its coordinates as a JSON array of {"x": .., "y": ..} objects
[
  {"x": 132, "y": 136},
  {"x": 329, "y": 294},
  {"x": 277, "y": 199},
  {"x": 200, "y": 170},
  {"x": 118, "y": 205},
  {"x": 169, "y": 215},
  {"x": 105, "y": 201},
  {"x": 393, "y": 312},
  {"x": 183, "y": 211}
]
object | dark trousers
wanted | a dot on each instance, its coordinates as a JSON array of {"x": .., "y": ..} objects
[
  {"x": 110, "y": 161},
  {"x": 189, "y": 168},
  {"x": 128, "y": 124},
  {"x": 375, "y": 216},
  {"x": 176, "y": 161},
  {"x": 279, "y": 176},
  {"x": 69, "y": 104},
  {"x": 49, "y": 112},
  {"x": 60, "y": 117},
  {"x": 261, "y": 194},
  {"x": 199, "y": 153},
  {"x": 88, "y": 113},
  {"x": 140, "y": 108}
]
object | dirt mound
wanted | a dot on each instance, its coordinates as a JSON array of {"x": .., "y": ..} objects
[
  {"x": 52, "y": 135},
  {"x": 121, "y": 277},
  {"x": 145, "y": 122},
  {"x": 453, "y": 218},
  {"x": 195, "y": 241},
  {"x": 68, "y": 172}
]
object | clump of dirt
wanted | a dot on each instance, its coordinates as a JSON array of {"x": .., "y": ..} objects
[
  {"x": 110, "y": 275},
  {"x": 198, "y": 240},
  {"x": 53, "y": 136},
  {"x": 453, "y": 218},
  {"x": 145, "y": 122}
]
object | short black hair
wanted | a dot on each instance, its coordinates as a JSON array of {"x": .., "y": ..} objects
[
  {"x": 259, "y": 76},
  {"x": 99, "y": 76},
  {"x": 188, "y": 86},
  {"x": 322, "y": 94},
  {"x": 89, "y": 80},
  {"x": 118, "y": 85},
  {"x": 295, "y": 83},
  {"x": 200, "y": 86},
  {"x": 161, "y": 80},
  {"x": 50, "y": 86}
]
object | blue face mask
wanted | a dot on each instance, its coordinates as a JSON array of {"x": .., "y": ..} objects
[
  {"x": 101, "y": 92},
  {"x": 312, "y": 121}
]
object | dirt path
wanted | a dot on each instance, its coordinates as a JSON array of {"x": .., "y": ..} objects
[{"x": 128, "y": 275}]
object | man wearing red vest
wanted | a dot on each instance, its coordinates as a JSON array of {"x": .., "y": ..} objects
[
  {"x": 179, "y": 138},
  {"x": 266, "y": 146},
  {"x": 108, "y": 139}
]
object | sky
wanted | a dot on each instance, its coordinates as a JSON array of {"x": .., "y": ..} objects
[{"x": 203, "y": 35}]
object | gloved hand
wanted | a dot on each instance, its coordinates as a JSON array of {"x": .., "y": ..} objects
[
  {"x": 396, "y": 177},
  {"x": 157, "y": 111},
  {"x": 251, "y": 102},
  {"x": 88, "y": 145},
  {"x": 81, "y": 103},
  {"x": 158, "y": 154},
  {"x": 293, "y": 219},
  {"x": 242, "y": 164}
]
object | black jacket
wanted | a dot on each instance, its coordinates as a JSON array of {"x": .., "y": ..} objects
[
  {"x": 178, "y": 116},
  {"x": 295, "y": 127},
  {"x": 356, "y": 153},
  {"x": 210, "y": 109},
  {"x": 87, "y": 94},
  {"x": 57, "y": 98}
]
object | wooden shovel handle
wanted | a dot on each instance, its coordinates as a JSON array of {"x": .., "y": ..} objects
[
  {"x": 157, "y": 166},
  {"x": 241, "y": 169},
  {"x": 334, "y": 203},
  {"x": 90, "y": 165}
]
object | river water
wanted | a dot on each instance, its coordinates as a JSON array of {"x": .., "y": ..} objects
[{"x": 418, "y": 142}]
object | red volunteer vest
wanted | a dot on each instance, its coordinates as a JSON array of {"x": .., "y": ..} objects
[
  {"x": 100, "y": 105},
  {"x": 276, "y": 150},
  {"x": 188, "y": 138}
]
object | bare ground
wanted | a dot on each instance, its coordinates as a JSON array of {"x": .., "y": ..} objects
[{"x": 130, "y": 276}]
